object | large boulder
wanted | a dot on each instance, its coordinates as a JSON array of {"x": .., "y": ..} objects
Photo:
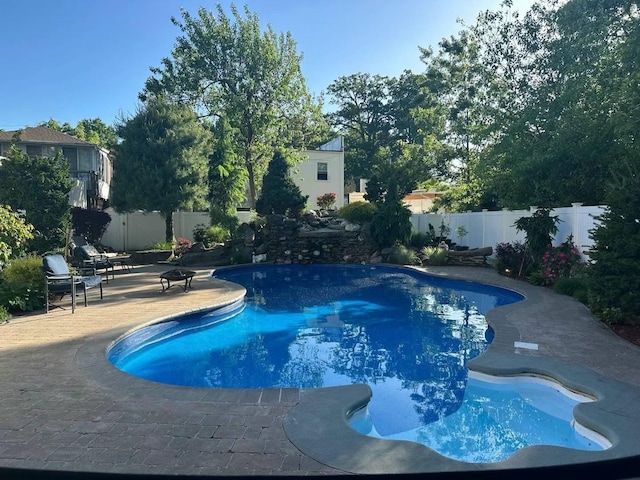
[{"x": 218, "y": 255}]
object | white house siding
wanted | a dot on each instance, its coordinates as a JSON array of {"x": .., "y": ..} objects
[
  {"x": 78, "y": 194},
  {"x": 305, "y": 176}
]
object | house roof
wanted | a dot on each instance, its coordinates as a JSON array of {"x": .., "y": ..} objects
[
  {"x": 43, "y": 135},
  {"x": 421, "y": 195}
]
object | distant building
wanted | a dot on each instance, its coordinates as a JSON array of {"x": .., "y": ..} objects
[
  {"x": 418, "y": 201},
  {"x": 322, "y": 172},
  {"x": 90, "y": 166},
  {"x": 421, "y": 201}
]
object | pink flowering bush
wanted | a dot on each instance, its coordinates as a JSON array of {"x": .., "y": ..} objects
[
  {"x": 182, "y": 246},
  {"x": 559, "y": 262},
  {"x": 326, "y": 200}
]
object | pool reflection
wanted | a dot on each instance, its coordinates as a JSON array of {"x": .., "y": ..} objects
[{"x": 308, "y": 327}]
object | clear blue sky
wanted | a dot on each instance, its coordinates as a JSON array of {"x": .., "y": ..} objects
[{"x": 75, "y": 59}]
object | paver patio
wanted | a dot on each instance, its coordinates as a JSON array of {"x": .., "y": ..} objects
[{"x": 64, "y": 407}]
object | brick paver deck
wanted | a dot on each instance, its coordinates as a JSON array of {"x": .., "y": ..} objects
[{"x": 64, "y": 407}]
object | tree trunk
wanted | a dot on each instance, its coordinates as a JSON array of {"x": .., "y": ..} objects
[
  {"x": 168, "y": 227},
  {"x": 252, "y": 185}
]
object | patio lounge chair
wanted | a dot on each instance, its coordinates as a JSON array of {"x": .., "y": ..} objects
[
  {"x": 60, "y": 281},
  {"x": 88, "y": 256}
]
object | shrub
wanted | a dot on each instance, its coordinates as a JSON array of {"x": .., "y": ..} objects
[
  {"x": 14, "y": 234},
  {"x": 358, "y": 212},
  {"x": 228, "y": 221},
  {"x": 200, "y": 233},
  {"x": 90, "y": 224},
  {"x": 535, "y": 278},
  {"x": 560, "y": 261},
  {"x": 391, "y": 224},
  {"x": 182, "y": 246},
  {"x": 420, "y": 240},
  {"x": 4, "y": 315},
  {"x": 401, "y": 255},
  {"x": 22, "y": 285},
  {"x": 539, "y": 228},
  {"x": 513, "y": 259},
  {"x": 582, "y": 296},
  {"x": 217, "y": 234},
  {"x": 435, "y": 255},
  {"x": 210, "y": 235},
  {"x": 257, "y": 222},
  {"x": 43, "y": 193},
  {"x": 161, "y": 246},
  {"x": 326, "y": 200},
  {"x": 569, "y": 286}
]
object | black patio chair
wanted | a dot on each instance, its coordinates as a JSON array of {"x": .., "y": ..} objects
[
  {"x": 59, "y": 281},
  {"x": 88, "y": 256}
]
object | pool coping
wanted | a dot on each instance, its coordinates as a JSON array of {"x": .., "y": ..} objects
[{"x": 317, "y": 425}]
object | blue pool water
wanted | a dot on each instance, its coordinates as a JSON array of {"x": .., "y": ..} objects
[{"x": 408, "y": 336}]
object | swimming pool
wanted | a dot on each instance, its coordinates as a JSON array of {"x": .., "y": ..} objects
[{"x": 404, "y": 334}]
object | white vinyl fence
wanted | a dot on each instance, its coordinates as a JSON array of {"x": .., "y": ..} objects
[
  {"x": 488, "y": 228},
  {"x": 137, "y": 231}
]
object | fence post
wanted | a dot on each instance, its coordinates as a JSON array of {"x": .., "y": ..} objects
[
  {"x": 575, "y": 221},
  {"x": 484, "y": 226},
  {"x": 505, "y": 227}
]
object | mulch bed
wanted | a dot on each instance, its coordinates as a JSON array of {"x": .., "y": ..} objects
[{"x": 630, "y": 332}]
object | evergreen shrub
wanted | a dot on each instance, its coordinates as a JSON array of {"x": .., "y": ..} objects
[
  {"x": 358, "y": 212},
  {"x": 279, "y": 194}
]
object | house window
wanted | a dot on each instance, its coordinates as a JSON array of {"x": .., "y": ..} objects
[
  {"x": 49, "y": 151},
  {"x": 71, "y": 154},
  {"x": 34, "y": 150},
  {"x": 85, "y": 160},
  {"x": 323, "y": 171}
]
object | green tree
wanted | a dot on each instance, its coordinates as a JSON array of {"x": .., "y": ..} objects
[
  {"x": 92, "y": 130},
  {"x": 363, "y": 116},
  {"x": 398, "y": 171},
  {"x": 391, "y": 223},
  {"x": 457, "y": 76},
  {"x": 161, "y": 162},
  {"x": 227, "y": 178},
  {"x": 55, "y": 125},
  {"x": 539, "y": 228},
  {"x": 560, "y": 144},
  {"x": 614, "y": 274},
  {"x": 228, "y": 67},
  {"x": 615, "y": 270},
  {"x": 15, "y": 232},
  {"x": 280, "y": 195},
  {"x": 40, "y": 186}
]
